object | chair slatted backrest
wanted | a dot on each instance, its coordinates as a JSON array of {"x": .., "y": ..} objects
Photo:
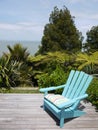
[{"x": 76, "y": 84}]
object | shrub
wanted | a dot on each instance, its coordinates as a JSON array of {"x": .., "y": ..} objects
[
  {"x": 57, "y": 77},
  {"x": 44, "y": 65},
  {"x": 93, "y": 92},
  {"x": 14, "y": 73}
]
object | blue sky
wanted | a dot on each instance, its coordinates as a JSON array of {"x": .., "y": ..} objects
[{"x": 25, "y": 19}]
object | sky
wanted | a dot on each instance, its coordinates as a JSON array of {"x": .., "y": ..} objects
[{"x": 26, "y": 19}]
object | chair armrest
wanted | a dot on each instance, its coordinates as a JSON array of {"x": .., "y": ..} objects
[
  {"x": 51, "y": 88},
  {"x": 71, "y": 102},
  {"x": 82, "y": 97}
]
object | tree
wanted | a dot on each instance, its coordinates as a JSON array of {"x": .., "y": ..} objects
[
  {"x": 92, "y": 39},
  {"x": 60, "y": 33}
]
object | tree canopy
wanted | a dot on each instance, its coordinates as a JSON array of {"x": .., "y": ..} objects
[
  {"x": 92, "y": 38},
  {"x": 60, "y": 33}
]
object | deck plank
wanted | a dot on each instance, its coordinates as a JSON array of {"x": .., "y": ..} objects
[{"x": 25, "y": 112}]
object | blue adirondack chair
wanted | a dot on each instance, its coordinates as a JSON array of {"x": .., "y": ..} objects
[{"x": 66, "y": 105}]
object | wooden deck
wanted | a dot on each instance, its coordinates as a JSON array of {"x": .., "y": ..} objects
[{"x": 25, "y": 112}]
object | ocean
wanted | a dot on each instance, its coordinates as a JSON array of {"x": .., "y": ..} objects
[{"x": 32, "y": 46}]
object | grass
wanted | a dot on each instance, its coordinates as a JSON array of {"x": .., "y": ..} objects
[{"x": 19, "y": 90}]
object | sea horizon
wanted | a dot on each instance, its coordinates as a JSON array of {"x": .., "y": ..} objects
[{"x": 32, "y": 46}]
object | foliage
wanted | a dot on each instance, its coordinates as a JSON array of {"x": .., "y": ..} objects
[
  {"x": 14, "y": 69},
  {"x": 92, "y": 39},
  {"x": 93, "y": 92},
  {"x": 47, "y": 63},
  {"x": 50, "y": 59},
  {"x": 7, "y": 72},
  {"x": 60, "y": 33},
  {"x": 18, "y": 52},
  {"x": 57, "y": 77},
  {"x": 13, "y": 73},
  {"x": 88, "y": 62},
  {"x": 24, "y": 74}
]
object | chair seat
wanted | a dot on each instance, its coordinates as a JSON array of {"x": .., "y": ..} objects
[{"x": 56, "y": 99}]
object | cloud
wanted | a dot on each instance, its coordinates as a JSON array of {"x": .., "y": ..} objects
[
  {"x": 21, "y": 30},
  {"x": 7, "y": 26},
  {"x": 74, "y": 1},
  {"x": 45, "y": 3},
  {"x": 95, "y": 17},
  {"x": 21, "y": 26},
  {"x": 29, "y": 24},
  {"x": 85, "y": 16}
]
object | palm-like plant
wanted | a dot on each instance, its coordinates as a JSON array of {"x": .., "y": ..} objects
[
  {"x": 13, "y": 73},
  {"x": 87, "y": 61},
  {"x": 18, "y": 52},
  {"x": 58, "y": 57},
  {"x": 14, "y": 69},
  {"x": 8, "y": 72}
]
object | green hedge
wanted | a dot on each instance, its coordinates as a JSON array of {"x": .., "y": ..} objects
[
  {"x": 57, "y": 77},
  {"x": 93, "y": 92}
]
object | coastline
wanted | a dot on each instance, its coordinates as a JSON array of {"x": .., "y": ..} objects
[{"x": 32, "y": 46}]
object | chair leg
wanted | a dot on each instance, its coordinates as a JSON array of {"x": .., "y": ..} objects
[
  {"x": 61, "y": 122},
  {"x": 44, "y": 107}
]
